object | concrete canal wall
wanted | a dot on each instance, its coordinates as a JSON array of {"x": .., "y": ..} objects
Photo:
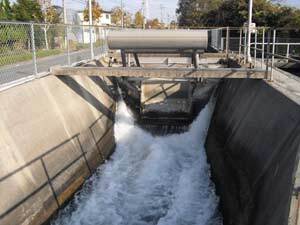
[
  {"x": 252, "y": 145},
  {"x": 54, "y": 132}
]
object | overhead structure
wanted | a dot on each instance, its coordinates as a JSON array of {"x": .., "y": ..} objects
[
  {"x": 158, "y": 41},
  {"x": 149, "y": 40}
]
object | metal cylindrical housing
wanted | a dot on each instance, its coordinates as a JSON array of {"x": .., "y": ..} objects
[{"x": 158, "y": 39}]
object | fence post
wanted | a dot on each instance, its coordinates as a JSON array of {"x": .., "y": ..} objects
[
  {"x": 288, "y": 50},
  {"x": 240, "y": 43},
  {"x": 255, "y": 47},
  {"x": 263, "y": 48},
  {"x": 245, "y": 48},
  {"x": 268, "y": 54},
  {"x": 68, "y": 45},
  {"x": 227, "y": 43},
  {"x": 33, "y": 49},
  {"x": 273, "y": 54},
  {"x": 91, "y": 42}
]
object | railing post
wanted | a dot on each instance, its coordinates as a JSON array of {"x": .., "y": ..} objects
[
  {"x": 33, "y": 49},
  {"x": 227, "y": 43},
  {"x": 240, "y": 43},
  {"x": 245, "y": 48},
  {"x": 268, "y": 55},
  {"x": 68, "y": 45},
  {"x": 255, "y": 47},
  {"x": 91, "y": 42},
  {"x": 288, "y": 50},
  {"x": 273, "y": 54},
  {"x": 263, "y": 48}
]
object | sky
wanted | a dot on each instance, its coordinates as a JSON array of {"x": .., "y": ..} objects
[{"x": 157, "y": 8}]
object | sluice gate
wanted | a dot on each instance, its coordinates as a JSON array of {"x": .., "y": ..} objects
[{"x": 56, "y": 141}]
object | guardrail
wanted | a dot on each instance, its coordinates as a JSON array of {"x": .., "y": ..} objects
[
  {"x": 267, "y": 45},
  {"x": 27, "y": 50}
]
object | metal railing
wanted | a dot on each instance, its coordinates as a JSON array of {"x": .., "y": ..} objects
[
  {"x": 27, "y": 50},
  {"x": 267, "y": 46}
]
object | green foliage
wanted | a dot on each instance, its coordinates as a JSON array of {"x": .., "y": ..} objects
[
  {"x": 96, "y": 11},
  {"x": 51, "y": 15},
  {"x": 27, "y": 10},
  {"x": 195, "y": 13},
  {"x": 139, "y": 19},
  {"x": 6, "y": 12}
]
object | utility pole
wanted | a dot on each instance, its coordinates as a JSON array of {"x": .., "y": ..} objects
[
  {"x": 122, "y": 14},
  {"x": 91, "y": 28},
  {"x": 64, "y": 11},
  {"x": 144, "y": 10},
  {"x": 162, "y": 13},
  {"x": 249, "y": 31}
]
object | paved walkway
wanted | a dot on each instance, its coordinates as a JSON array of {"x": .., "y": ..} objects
[{"x": 14, "y": 72}]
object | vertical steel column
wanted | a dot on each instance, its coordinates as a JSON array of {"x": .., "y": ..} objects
[
  {"x": 273, "y": 54},
  {"x": 250, "y": 7},
  {"x": 68, "y": 45},
  {"x": 240, "y": 43},
  {"x": 33, "y": 49},
  {"x": 255, "y": 47},
  {"x": 268, "y": 55},
  {"x": 227, "y": 43},
  {"x": 136, "y": 58},
  {"x": 91, "y": 27},
  {"x": 263, "y": 48},
  {"x": 245, "y": 47},
  {"x": 288, "y": 50},
  {"x": 123, "y": 56},
  {"x": 195, "y": 59}
]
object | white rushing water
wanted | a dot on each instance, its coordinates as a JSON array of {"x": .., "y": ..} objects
[{"x": 149, "y": 180}]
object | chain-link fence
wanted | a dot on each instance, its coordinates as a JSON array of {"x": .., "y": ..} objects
[{"x": 28, "y": 49}]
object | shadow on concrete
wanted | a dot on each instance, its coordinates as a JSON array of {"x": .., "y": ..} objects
[
  {"x": 87, "y": 96},
  {"x": 104, "y": 86}
]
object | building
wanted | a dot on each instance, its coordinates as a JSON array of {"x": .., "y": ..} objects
[
  {"x": 104, "y": 20},
  {"x": 98, "y": 33}
]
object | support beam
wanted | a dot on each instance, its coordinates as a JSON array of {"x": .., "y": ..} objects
[
  {"x": 195, "y": 57},
  {"x": 160, "y": 72},
  {"x": 123, "y": 56},
  {"x": 136, "y": 58}
]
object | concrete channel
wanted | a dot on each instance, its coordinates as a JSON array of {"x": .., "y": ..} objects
[{"x": 56, "y": 131}]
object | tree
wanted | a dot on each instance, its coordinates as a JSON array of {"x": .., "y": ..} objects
[
  {"x": 5, "y": 10},
  {"x": 116, "y": 16},
  {"x": 191, "y": 11},
  {"x": 51, "y": 16},
  {"x": 27, "y": 10},
  {"x": 173, "y": 25},
  {"x": 154, "y": 24},
  {"x": 139, "y": 19},
  {"x": 96, "y": 11},
  {"x": 127, "y": 19}
]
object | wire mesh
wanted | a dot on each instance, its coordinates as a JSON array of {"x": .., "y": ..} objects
[
  {"x": 16, "y": 58},
  {"x": 27, "y": 49}
]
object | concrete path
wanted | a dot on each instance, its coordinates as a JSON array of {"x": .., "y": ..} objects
[{"x": 20, "y": 70}]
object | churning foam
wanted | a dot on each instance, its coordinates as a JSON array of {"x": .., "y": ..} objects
[{"x": 149, "y": 180}]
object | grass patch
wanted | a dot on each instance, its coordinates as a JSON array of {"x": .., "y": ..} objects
[{"x": 15, "y": 57}]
